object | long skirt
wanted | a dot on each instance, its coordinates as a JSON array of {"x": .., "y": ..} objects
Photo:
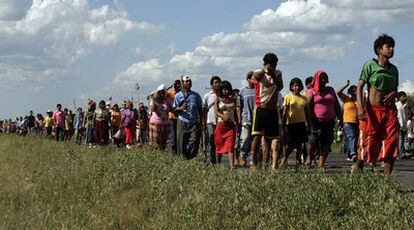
[{"x": 101, "y": 132}]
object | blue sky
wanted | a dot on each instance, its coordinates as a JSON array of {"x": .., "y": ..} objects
[{"x": 57, "y": 51}]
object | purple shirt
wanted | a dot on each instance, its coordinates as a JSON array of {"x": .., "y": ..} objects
[
  {"x": 59, "y": 119},
  {"x": 129, "y": 118},
  {"x": 324, "y": 104}
]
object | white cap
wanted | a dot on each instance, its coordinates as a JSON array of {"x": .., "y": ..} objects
[
  {"x": 161, "y": 88},
  {"x": 185, "y": 78}
]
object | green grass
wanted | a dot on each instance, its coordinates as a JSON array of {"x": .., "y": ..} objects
[{"x": 44, "y": 184}]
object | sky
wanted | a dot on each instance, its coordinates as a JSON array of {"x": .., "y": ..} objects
[{"x": 66, "y": 51}]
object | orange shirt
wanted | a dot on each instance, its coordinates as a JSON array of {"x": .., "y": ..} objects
[
  {"x": 350, "y": 109},
  {"x": 116, "y": 118},
  {"x": 171, "y": 95}
]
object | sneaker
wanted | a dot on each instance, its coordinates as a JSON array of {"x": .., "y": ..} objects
[{"x": 354, "y": 158}]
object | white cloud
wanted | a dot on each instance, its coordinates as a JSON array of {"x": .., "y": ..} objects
[
  {"x": 13, "y": 9},
  {"x": 407, "y": 86},
  {"x": 298, "y": 31},
  {"x": 53, "y": 35}
]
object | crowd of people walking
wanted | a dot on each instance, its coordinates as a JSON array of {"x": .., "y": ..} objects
[{"x": 256, "y": 120}]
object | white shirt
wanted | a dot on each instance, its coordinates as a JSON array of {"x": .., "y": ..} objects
[
  {"x": 410, "y": 128},
  {"x": 401, "y": 115},
  {"x": 208, "y": 105}
]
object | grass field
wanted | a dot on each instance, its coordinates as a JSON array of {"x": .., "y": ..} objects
[{"x": 46, "y": 185}]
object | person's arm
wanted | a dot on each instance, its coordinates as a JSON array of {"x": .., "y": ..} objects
[
  {"x": 236, "y": 117},
  {"x": 308, "y": 119},
  {"x": 239, "y": 108},
  {"x": 257, "y": 75},
  {"x": 278, "y": 80},
  {"x": 337, "y": 106},
  {"x": 217, "y": 111},
  {"x": 311, "y": 105},
  {"x": 360, "y": 100},
  {"x": 178, "y": 106},
  {"x": 340, "y": 90}
]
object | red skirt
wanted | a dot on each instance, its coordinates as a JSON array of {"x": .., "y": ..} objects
[{"x": 225, "y": 138}]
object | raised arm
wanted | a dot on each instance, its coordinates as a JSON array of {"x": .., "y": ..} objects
[{"x": 340, "y": 90}]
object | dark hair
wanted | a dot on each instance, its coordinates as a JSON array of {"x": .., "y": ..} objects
[
  {"x": 58, "y": 105},
  {"x": 295, "y": 81},
  {"x": 102, "y": 102},
  {"x": 401, "y": 93},
  {"x": 308, "y": 80},
  {"x": 225, "y": 85},
  {"x": 177, "y": 82},
  {"x": 270, "y": 58},
  {"x": 352, "y": 88},
  {"x": 249, "y": 75},
  {"x": 213, "y": 78},
  {"x": 381, "y": 41}
]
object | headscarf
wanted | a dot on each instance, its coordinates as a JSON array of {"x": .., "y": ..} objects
[{"x": 316, "y": 83}]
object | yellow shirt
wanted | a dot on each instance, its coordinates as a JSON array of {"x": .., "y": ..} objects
[
  {"x": 297, "y": 105},
  {"x": 48, "y": 122},
  {"x": 350, "y": 109}
]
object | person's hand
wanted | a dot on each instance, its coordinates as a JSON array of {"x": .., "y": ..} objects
[
  {"x": 361, "y": 114},
  {"x": 389, "y": 98},
  {"x": 267, "y": 68},
  {"x": 184, "y": 106},
  {"x": 225, "y": 117},
  {"x": 347, "y": 83}
]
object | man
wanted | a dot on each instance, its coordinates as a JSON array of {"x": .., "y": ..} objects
[
  {"x": 268, "y": 83},
  {"x": 378, "y": 116},
  {"x": 173, "y": 118},
  {"x": 211, "y": 119},
  {"x": 188, "y": 106},
  {"x": 245, "y": 111},
  {"x": 59, "y": 121},
  {"x": 31, "y": 121},
  {"x": 403, "y": 115}
]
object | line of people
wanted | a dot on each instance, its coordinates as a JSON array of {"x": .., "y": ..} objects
[{"x": 257, "y": 120}]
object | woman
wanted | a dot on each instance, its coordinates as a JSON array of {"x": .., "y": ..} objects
[
  {"x": 101, "y": 124},
  {"x": 323, "y": 105},
  {"x": 350, "y": 119},
  {"x": 225, "y": 132},
  {"x": 128, "y": 123},
  {"x": 116, "y": 123},
  {"x": 159, "y": 123}
]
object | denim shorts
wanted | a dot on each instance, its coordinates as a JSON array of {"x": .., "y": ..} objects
[{"x": 322, "y": 132}]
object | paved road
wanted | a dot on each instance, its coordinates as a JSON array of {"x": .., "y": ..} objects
[{"x": 403, "y": 170}]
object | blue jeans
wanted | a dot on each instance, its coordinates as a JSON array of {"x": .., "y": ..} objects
[
  {"x": 351, "y": 131},
  {"x": 245, "y": 139}
]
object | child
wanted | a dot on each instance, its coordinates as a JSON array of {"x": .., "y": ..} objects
[
  {"x": 295, "y": 115},
  {"x": 227, "y": 122}
]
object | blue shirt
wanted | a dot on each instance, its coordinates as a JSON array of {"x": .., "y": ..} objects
[
  {"x": 78, "y": 121},
  {"x": 190, "y": 115},
  {"x": 247, "y": 104}
]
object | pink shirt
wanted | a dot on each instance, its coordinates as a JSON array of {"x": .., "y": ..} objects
[
  {"x": 59, "y": 118},
  {"x": 160, "y": 115},
  {"x": 324, "y": 104}
]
